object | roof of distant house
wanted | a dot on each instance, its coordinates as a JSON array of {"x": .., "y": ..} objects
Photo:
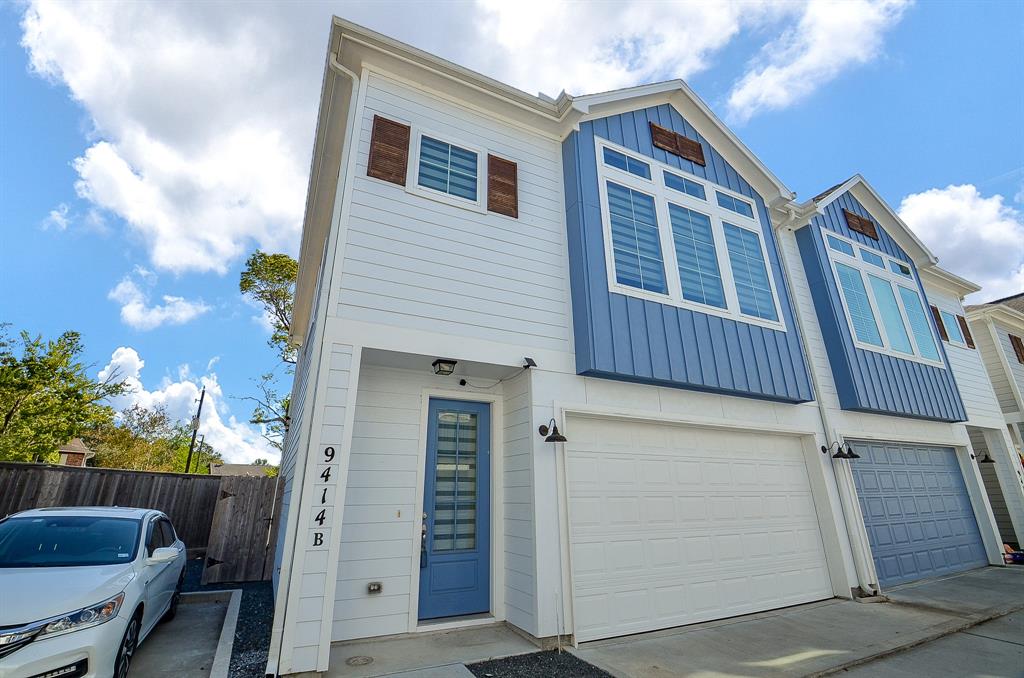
[
  {"x": 76, "y": 446},
  {"x": 238, "y": 470}
]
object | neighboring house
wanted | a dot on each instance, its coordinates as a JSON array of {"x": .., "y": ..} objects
[
  {"x": 75, "y": 453},
  {"x": 480, "y": 266},
  {"x": 998, "y": 329},
  {"x": 238, "y": 470}
]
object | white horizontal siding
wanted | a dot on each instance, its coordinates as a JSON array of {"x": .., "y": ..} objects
[
  {"x": 990, "y": 354},
  {"x": 520, "y": 556},
  {"x": 378, "y": 537},
  {"x": 423, "y": 264},
  {"x": 1016, "y": 368},
  {"x": 968, "y": 367}
]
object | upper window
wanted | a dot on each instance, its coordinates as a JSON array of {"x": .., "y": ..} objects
[
  {"x": 635, "y": 239},
  {"x": 626, "y": 164},
  {"x": 448, "y": 168},
  {"x": 734, "y": 204},
  {"x": 678, "y": 183},
  {"x": 952, "y": 327},
  {"x": 749, "y": 272},
  {"x": 885, "y": 314},
  {"x": 667, "y": 242}
]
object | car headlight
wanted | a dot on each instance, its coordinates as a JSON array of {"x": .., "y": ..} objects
[{"x": 82, "y": 619}]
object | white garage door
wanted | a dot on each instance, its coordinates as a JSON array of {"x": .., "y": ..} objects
[{"x": 673, "y": 525}]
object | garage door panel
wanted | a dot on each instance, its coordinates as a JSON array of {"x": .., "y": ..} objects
[
  {"x": 705, "y": 525},
  {"x": 917, "y": 512}
]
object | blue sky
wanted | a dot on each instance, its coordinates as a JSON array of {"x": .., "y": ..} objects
[{"x": 148, "y": 148}]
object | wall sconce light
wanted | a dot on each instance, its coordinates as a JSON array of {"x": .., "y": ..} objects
[
  {"x": 987, "y": 459},
  {"x": 444, "y": 366},
  {"x": 840, "y": 453},
  {"x": 550, "y": 432},
  {"x": 528, "y": 363}
]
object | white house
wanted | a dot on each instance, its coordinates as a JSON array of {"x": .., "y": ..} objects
[{"x": 570, "y": 365}]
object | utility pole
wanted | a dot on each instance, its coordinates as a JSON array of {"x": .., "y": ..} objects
[
  {"x": 199, "y": 452},
  {"x": 195, "y": 429}
]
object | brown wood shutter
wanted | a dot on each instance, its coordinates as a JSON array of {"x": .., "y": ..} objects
[
  {"x": 1018, "y": 348},
  {"x": 860, "y": 224},
  {"x": 938, "y": 323},
  {"x": 677, "y": 144},
  {"x": 962, "y": 321},
  {"x": 502, "y": 186},
  {"x": 389, "y": 151}
]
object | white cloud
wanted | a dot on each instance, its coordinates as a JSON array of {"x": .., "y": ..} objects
[
  {"x": 830, "y": 37},
  {"x": 57, "y": 218},
  {"x": 979, "y": 238},
  {"x": 138, "y": 314},
  {"x": 237, "y": 441},
  {"x": 204, "y": 116}
]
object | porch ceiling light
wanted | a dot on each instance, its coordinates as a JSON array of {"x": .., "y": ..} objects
[
  {"x": 444, "y": 366},
  {"x": 550, "y": 432}
]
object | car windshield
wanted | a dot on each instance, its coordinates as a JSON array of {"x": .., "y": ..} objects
[{"x": 67, "y": 541}]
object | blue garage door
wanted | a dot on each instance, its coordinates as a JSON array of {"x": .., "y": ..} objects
[{"x": 917, "y": 512}]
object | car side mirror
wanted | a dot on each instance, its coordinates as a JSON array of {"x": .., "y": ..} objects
[{"x": 164, "y": 554}]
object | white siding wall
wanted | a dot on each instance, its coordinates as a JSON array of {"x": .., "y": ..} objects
[
  {"x": 419, "y": 263},
  {"x": 379, "y": 536},
  {"x": 1016, "y": 368},
  {"x": 990, "y": 354},
  {"x": 315, "y": 563},
  {"x": 968, "y": 368},
  {"x": 520, "y": 558}
]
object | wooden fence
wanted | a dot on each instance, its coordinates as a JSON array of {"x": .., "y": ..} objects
[{"x": 232, "y": 515}]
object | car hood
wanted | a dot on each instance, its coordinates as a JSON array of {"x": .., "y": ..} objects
[{"x": 30, "y": 594}]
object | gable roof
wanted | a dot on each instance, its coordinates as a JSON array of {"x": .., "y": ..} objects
[
  {"x": 352, "y": 48},
  {"x": 1009, "y": 310}
]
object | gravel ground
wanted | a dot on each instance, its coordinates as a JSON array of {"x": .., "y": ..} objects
[
  {"x": 551, "y": 664},
  {"x": 252, "y": 634}
]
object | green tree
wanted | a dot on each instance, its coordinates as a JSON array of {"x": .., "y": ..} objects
[
  {"x": 269, "y": 469},
  {"x": 46, "y": 396},
  {"x": 147, "y": 440},
  {"x": 269, "y": 281}
]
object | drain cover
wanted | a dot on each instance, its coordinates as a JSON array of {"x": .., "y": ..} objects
[{"x": 359, "y": 660}]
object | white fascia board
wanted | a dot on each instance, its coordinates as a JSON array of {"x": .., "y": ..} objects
[
  {"x": 678, "y": 94},
  {"x": 949, "y": 282},
  {"x": 996, "y": 312},
  {"x": 891, "y": 222}
]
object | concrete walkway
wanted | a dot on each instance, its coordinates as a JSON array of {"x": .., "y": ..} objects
[
  {"x": 430, "y": 654},
  {"x": 185, "y": 646},
  {"x": 816, "y": 639},
  {"x": 995, "y": 648}
]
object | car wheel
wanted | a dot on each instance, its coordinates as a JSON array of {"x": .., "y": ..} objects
[
  {"x": 175, "y": 599},
  {"x": 126, "y": 651}
]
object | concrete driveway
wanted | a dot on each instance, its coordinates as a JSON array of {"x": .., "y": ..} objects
[
  {"x": 820, "y": 638},
  {"x": 995, "y": 648}
]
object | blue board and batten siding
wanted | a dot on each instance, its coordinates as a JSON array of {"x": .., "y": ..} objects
[
  {"x": 624, "y": 337},
  {"x": 868, "y": 381}
]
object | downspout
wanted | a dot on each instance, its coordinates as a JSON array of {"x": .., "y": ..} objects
[
  {"x": 864, "y": 577},
  {"x": 299, "y": 472}
]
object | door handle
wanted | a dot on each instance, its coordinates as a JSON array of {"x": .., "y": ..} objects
[{"x": 423, "y": 542}]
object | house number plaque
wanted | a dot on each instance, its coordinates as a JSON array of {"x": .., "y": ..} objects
[{"x": 323, "y": 497}]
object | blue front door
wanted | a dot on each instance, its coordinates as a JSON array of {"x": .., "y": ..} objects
[
  {"x": 455, "y": 567},
  {"x": 917, "y": 512}
]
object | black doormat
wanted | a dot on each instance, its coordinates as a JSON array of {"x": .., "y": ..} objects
[{"x": 551, "y": 664}]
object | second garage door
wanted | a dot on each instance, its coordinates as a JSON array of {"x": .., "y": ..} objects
[
  {"x": 672, "y": 525},
  {"x": 917, "y": 512}
]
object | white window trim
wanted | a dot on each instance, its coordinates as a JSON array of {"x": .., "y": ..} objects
[
  {"x": 663, "y": 195},
  {"x": 865, "y": 268},
  {"x": 962, "y": 343},
  {"x": 413, "y": 171}
]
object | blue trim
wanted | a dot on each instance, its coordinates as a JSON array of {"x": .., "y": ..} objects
[
  {"x": 868, "y": 381},
  {"x": 638, "y": 340},
  {"x": 457, "y": 582}
]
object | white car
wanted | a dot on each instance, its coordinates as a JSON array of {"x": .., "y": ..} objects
[{"x": 80, "y": 588}]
